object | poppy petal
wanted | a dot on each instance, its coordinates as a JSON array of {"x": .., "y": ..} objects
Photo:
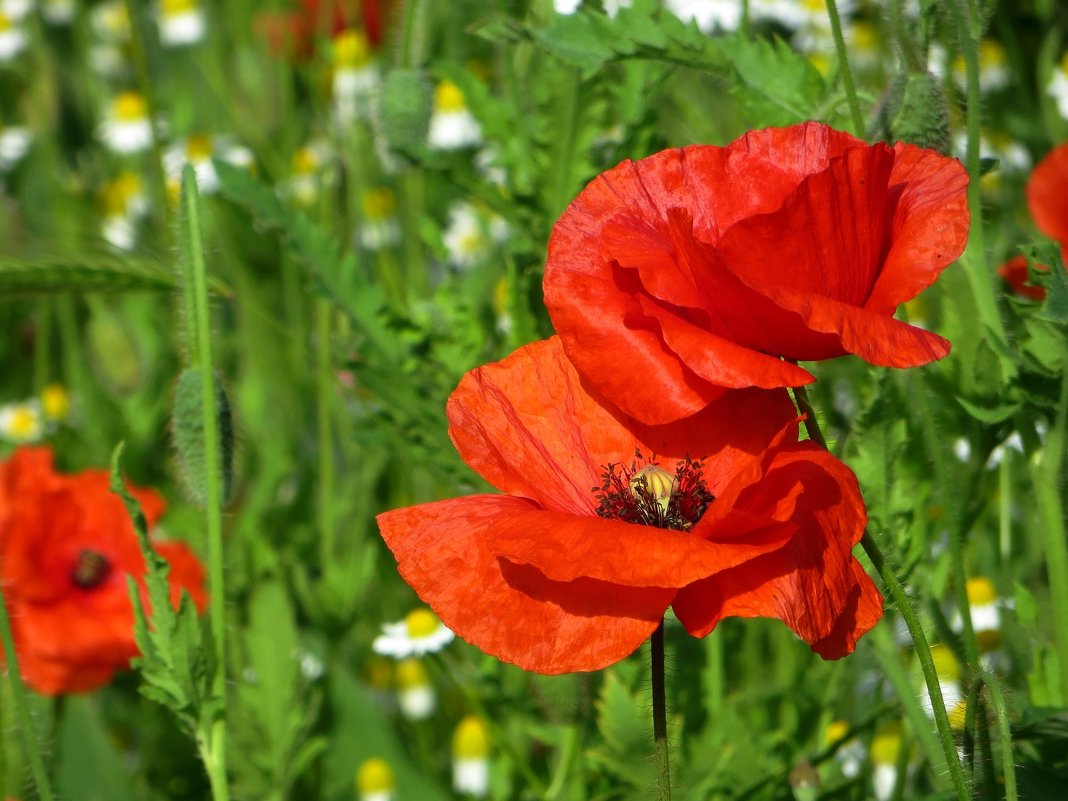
[
  {"x": 530, "y": 427},
  {"x": 813, "y": 584},
  {"x": 1045, "y": 195},
  {"x": 514, "y": 611},
  {"x": 565, "y": 548}
]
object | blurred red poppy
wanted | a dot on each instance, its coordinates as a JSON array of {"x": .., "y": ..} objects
[
  {"x": 66, "y": 547},
  {"x": 575, "y": 565},
  {"x": 1014, "y": 273},
  {"x": 1046, "y": 189},
  {"x": 293, "y": 33},
  {"x": 702, "y": 268}
]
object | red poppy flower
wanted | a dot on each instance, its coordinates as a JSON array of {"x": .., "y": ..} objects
[
  {"x": 293, "y": 33},
  {"x": 1015, "y": 274},
  {"x": 700, "y": 268},
  {"x": 575, "y": 565},
  {"x": 66, "y": 547},
  {"x": 1046, "y": 190}
]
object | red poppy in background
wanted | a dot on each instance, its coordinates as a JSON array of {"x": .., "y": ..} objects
[
  {"x": 1014, "y": 273},
  {"x": 294, "y": 33},
  {"x": 1047, "y": 196},
  {"x": 575, "y": 565},
  {"x": 703, "y": 268},
  {"x": 66, "y": 547}
]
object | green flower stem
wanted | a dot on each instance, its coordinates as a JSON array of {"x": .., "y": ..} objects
[
  {"x": 1001, "y": 715},
  {"x": 843, "y": 65},
  {"x": 975, "y": 259},
  {"x": 1005, "y": 507},
  {"x": 660, "y": 741},
  {"x": 909, "y": 51},
  {"x": 22, "y": 708},
  {"x": 564, "y": 767},
  {"x": 42, "y": 344},
  {"x": 213, "y": 748},
  {"x": 912, "y": 621},
  {"x": 324, "y": 393},
  {"x": 923, "y": 653},
  {"x": 1051, "y": 515}
]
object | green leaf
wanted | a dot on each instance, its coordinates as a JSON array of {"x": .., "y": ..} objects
[
  {"x": 775, "y": 84},
  {"x": 89, "y": 274},
  {"x": 581, "y": 40}
]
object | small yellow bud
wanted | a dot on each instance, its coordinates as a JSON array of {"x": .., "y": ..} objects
[{"x": 55, "y": 402}]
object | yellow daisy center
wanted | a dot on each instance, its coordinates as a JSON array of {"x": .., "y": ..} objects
[
  {"x": 471, "y": 739},
  {"x": 864, "y": 37},
  {"x": 421, "y": 623},
  {"x": 24, "y": 422},
  {"x": 174, "y": 7},
  {"x": 5, "y": 23},
  {"x": 305, "y": 161},
  {"x": 379, "y": 204},
  {"x": 130, "y": 107},
  {"x": 991, "y": 54},
  {"x": 351, "y": 49},
  {"x": 410, "y": 674},
  {"x": 981, "y": 591},
  {"x": 198, "y": 147},
  {"x": 374, "y": 776},
  {"x": 957, "y": 715},
  {"x": 836, "y": 731},
  {"x": 886, "y": 744},
  {"x": 946, "y": 665},
  {"x": 55, "y": 402},
  {"x": 448, "y": 97}
]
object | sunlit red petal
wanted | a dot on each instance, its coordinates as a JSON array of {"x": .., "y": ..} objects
[
  {"x": 513, "y": 611},
  {"x": 813, "y": 584},
  {"x": 530, "y": 427}
]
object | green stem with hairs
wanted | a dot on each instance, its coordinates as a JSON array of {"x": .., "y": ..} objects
[
  {"x": 660, "y": 740},
  {"x": 212, "y": 744},
  {"x": 912, "y": 621},
  {"x": 324, "y": 392},
  {"x": 1001, "y": 715},
  {"x": 975, "y": 260},
  {"x": 22, "y": 707},
  {"x": 843, "y": 66}
]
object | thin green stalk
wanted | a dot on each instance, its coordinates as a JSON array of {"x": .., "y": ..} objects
[
  {"x": 1005, "y": 507},
  {"x": 904, "y": 39},
  {"x": 564, "y": 766},
  {"x": 22, "y": 708},
  {"x": 1001, "y": 714},
  {"x": 660, "y": 741},
  {"x": 196, "y": 276},
  {"x": 843, "y": 66},
  {"x": 324, "y": 392},
  {"x": 42, "y": 345},
  {"x": 1051, "y": 515},
  {"x": 923, "y": 653},
  {"x": 713, "y": 679},
  {"x": 560, "y": 192},
  {"x": 975, "y": 259},
  {"x": 411, "y": 50},
  {"x": 912, "y": 621}
]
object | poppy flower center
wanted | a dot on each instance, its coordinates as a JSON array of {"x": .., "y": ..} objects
[
  {"x": 91, "y": 569},
  {"x": 647, "y": 494}
]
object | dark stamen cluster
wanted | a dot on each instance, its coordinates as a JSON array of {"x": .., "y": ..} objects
[
  {"x": 90, "y": 570},
  {"x": 621, "y": 497}
]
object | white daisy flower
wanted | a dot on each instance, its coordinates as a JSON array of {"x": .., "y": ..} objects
[
  {"x": 15, "y": 142},
  {"x": 885, "y": 748},
  {"x": 198, "y": 150},
  {"x": 58, "y": 12},
  {"x": 125, "y": 205},
  {"x": 415, "y": 694},
  {"x": 181, "y": 23},
  {"x": 1058, "y": 86},
  {"x": 465, "y": 236},
  {"x": 852, "y": 754},
  {"x": 566, "y": 7},
  {"x": 962, "y": 449},
  {"x": 1013, "y": 442},
  {"x": 419, "y": 633},
  {"x": 12, "y": 38},
  {"x": 16, "y": 10},
  {"x": 356, "y": 79},
  {"x": 127, "y": 128},
  {"x": 612, "y": 7},
  {"x": 452, "y": 127},
  {"x": 21, "y": 422},
  {"x": 307, "y": 178},
  {"x": 710, "y": 15},
  {"x": 379, "y": 227},
  {"x": 487, "y": 163},
  {"x": 985, "y": 606},
  {"x": 470, "y": 757},
  {"x": 374, "y": 780},
  {"x": 948, "y": 670}
]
